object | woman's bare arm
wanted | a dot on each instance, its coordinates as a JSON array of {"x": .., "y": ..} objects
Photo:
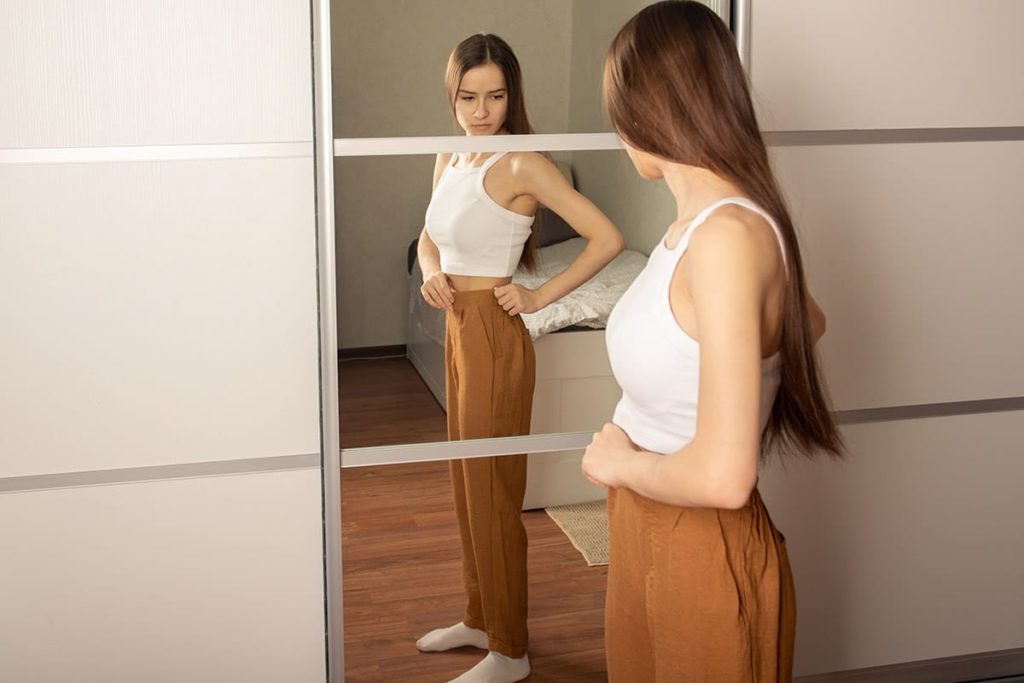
[
  {"x": 541, "y": 179},
  {"x": 437, "y": 290},
  {"x": 727, "y": 278}
]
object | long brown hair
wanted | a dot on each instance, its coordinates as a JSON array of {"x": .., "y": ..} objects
[
  {"x": 486, "y": 48},
  {"x": 674, "y": 87}
]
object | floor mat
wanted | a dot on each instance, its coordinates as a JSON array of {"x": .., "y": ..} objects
[{"x": 586, "y": 525}]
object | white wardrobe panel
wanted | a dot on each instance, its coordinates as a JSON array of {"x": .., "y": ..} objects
[
  {"x": 884, "y": 64},
  {"x": 157, "y": 313},
  {"x": 211, "y": 579},
  {"x": 913, "y": 252},
  {"x": 910, "y": 550},
  {"x": 121, "y": 72}
]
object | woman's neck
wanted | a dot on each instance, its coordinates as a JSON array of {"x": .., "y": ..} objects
[{"x": 695, "y": 189}]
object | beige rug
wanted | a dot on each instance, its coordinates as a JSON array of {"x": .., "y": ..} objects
[{"x": 586, "y": 525}]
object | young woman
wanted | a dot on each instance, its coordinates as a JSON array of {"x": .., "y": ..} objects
[
  {"x": 713, "y": 347},
  {"x": 477, "y": 233}
]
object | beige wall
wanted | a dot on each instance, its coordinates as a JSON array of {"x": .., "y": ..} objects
[
  {"x": 906, "y": 64},
  {"x": 389, "y": 58},
  {"x": 919, "y": 264},
  {"x": 204, "y": 579},
  {"x": 173, "y": 308},
  {"x": 160, "y": 324},
  {"x": 912, "y": 549},
  {"x": 105, "y": 76}
]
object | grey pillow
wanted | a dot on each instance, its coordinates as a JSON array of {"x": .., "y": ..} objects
[{"x": 551, "y": 229}]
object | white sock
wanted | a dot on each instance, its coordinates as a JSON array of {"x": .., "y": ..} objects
[
  {"x": 458, "y": 635},
  {"x": 497, "y": 668}
]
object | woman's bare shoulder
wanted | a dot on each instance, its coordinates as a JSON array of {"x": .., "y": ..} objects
[
  {"x": 534, "y": 171},
  {"x": 740, "y": 232},
  {"x": 528, "y": 162}
]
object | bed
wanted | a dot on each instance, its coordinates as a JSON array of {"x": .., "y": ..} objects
[{"x": 575, "y": 388}]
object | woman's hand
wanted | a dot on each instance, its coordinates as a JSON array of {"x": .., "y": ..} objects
[
  {"x": 607, "y": 455},
  {"x": 516, "y": 299},
  {"x": 437, "y": 290}
]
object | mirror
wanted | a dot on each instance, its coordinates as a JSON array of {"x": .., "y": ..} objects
[
  {"x": 403, "y": 568},
  {"x": 401, "y": 548},
  {"x": 389, "y": 60},
  {"x": 392, "y": 341},
  {"x": 380, "y": 205}
]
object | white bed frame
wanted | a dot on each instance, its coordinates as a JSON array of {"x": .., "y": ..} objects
[{"x": 575, "y": 392}]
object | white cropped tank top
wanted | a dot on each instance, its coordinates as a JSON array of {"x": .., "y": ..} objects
[
  {"x": 656, "y": 363},
  {"x": 475, "y": 234}
]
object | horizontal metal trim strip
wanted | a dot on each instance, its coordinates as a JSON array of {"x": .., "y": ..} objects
[
  {"x": 982, "y": 665},
  {"x": 884, "y": 136},
  {"x": 359, "y": 147},
  {"x": 149, "y": 473},
  {"x": 350, "y": 147},
  {"x": 80, "y": 155},
  {"x": 486, "y": 143},
  {"x": 457, "y": 450},
  {"x": 441, "y": 450},
  {"x": 544, "y": 443},
  {"x": 925, "y": 410}
]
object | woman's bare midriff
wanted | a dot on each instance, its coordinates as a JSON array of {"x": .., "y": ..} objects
[{"x": 468, "y": 283}]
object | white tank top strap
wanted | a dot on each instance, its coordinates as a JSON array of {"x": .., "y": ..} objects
[
  {"x": 493, "y": 159},
  {"x": 450, "y": 165},
  {"x": 697, "y": 221},
  {"x": 484, "y": 168},
  {"x": 741, "y": 201}
]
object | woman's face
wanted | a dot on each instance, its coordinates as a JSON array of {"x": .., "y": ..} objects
[{"x": 481, "y": 102}]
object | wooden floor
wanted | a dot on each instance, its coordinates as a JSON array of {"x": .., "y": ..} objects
[
  {"x": 384, "y": 402},
  {"x": 402, "y": 569}
]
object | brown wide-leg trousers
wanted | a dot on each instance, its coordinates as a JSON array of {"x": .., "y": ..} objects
[
  {"x": 490, "y": 375},
  {"x": 697, "y": 594}
]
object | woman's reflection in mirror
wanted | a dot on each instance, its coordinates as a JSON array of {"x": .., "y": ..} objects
[{"x": 478, "y": 231}]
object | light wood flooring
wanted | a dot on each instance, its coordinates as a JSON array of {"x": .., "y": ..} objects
[{"x": 402, "y": 567}]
